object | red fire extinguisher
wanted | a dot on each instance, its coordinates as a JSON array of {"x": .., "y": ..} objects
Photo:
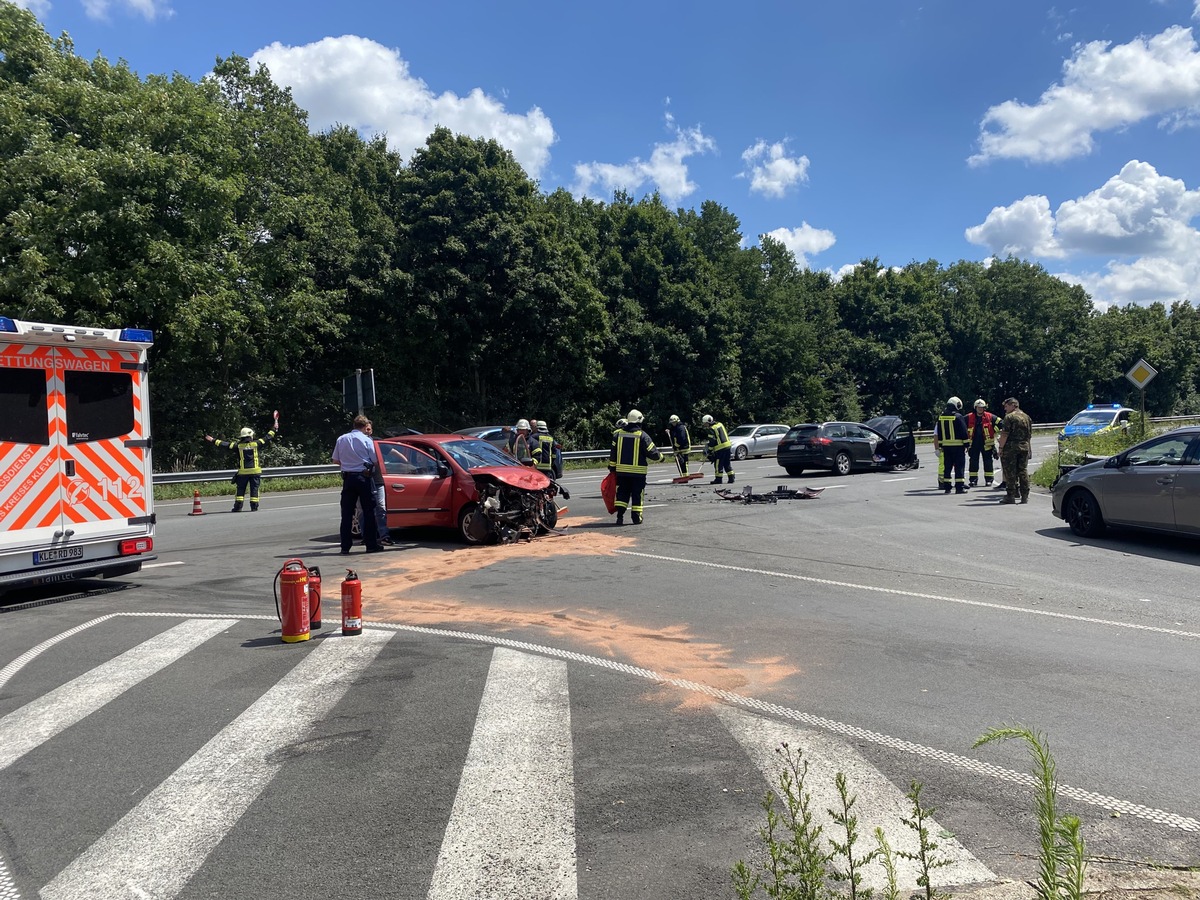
[
  {"x": 314, "y": 597},
  {"x": 291, "y": 602},
  {"x": 351, "y": 603}
]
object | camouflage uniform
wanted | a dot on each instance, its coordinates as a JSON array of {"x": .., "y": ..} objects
[{"x": 1014, "y": 455}]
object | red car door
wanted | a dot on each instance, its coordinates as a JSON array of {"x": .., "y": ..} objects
[{"x": 419, "y": 490}]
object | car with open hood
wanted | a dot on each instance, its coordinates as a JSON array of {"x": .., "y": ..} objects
[
  {"x": 464, "y": 483},
  {"x": 884, "y": 442}
]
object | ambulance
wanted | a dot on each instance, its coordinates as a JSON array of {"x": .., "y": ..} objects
[{"x": 76, "y": 486}]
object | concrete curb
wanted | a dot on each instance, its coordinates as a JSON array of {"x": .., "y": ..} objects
[{"x": 1142, "y": 884}]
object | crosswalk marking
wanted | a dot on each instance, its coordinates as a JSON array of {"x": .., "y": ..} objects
[
  {"x": 35, "y": 723},
  {"x": 880, "y": 803},
  {"x": 512, "y": 828},
  {"x": 161, "y": 843}
]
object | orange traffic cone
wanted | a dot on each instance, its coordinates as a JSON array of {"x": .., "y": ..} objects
[{"x": 196, "y": 510}]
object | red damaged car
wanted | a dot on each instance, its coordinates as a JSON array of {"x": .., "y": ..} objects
[{"x": 455, "y": 481}]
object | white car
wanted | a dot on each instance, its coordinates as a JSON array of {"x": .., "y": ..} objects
[{"x": 756, "y": 440}]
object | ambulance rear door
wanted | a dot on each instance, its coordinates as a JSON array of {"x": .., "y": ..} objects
[
  {"x": 30, "y": 450},
  {"x": 107, "y": 478}
]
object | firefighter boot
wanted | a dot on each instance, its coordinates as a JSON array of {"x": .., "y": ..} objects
[
  {"x": 620, "y": 517},
  {"x": 636, "y": 518},
  {"x": 717, "y": 480},
  {"x": 237, "y": 506},
  {"x": 731, "y": 477}
]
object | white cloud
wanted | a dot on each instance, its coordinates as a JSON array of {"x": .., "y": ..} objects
[
  {"x": 357, "y": 82},
  {"x": 1103, "y": 88},
  {"x": 771, "y": 171},
  {"x": 147, "y": 9},
  {"x": 803, "y": 241},
  {"x": 1025, "y": 228},
  {"x": 1146, "y": 280},
  {"x": 37, "y": 7},
  {"x": 1139, "y": 218},
  {"x": 666, "y": 169}
]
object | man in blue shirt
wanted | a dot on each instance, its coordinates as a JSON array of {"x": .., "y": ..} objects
[{"x": 354, "y": 454}]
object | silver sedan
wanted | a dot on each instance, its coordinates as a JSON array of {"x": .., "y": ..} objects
[
  {"x": 1153, "y": 485},
  {"x": 756, "y": 440}
]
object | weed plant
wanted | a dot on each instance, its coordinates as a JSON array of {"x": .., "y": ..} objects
[
  {"x": 796, "y": 864},
  {"x": 800, "y": 862},
  {"x": 1061, "y": 860}
]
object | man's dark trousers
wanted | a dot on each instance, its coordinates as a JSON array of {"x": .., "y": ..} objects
[{"x": 358, "y": 488}]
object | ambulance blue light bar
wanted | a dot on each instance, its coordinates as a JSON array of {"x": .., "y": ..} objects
[
  {"x": 137, "y": 335},
  {"x": 7, "y": 324}
]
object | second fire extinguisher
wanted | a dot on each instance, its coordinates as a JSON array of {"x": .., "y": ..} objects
[
  {"x": 314, "y": 597},
  {"x": 351, "y": 603}
]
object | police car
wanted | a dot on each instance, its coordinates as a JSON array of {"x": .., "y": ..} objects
[{"x": 1096, "y": 418}]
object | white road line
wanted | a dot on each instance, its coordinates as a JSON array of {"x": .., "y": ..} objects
[
  {"x": 32, "y": 725},
  {"x": 1005, "y": 607},
  {"x": 879, "y": 804},
  {"x": 163, "y": 564},
  {"x": 161, "y": 843},
  {"x": 512, "y": 829},
  {"x": 908, "y": 478}
]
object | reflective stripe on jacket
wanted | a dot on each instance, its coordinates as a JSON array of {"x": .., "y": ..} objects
[
  {"x": 543, "y": 453},
  {"x": 989, "y": 428},
  {"x": 719, "y": 437},
  {"x": 948, "y": 432},
  {"x": 247, "y": 451},
  {"x": 631, "y": 451},
  {"x": 680, "y": 439}
]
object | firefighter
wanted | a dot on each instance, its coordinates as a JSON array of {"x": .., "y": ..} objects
[
  {"x": 951, "y": 440},
  {"x": 249, "y": 473},
  {"x": 628, "y": 460},
  {"x": 547, "y": 452},
  {"x": 719, "y": 449},
  {"x": 519, "y": 444},
  {"x": 681, "y": 443},
  {"x": 981, "y": 426}
]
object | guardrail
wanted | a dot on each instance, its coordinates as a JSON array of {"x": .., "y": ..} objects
[{"x": 303, "y": 471}]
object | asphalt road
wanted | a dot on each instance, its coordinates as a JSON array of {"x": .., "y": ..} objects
[{"x": 595, "y": 714}]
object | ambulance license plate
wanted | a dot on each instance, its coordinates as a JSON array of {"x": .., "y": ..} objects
[{"x": 57, "y": 555}]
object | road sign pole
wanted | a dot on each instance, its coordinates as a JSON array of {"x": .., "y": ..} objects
[{"x": 358, "y": 385}]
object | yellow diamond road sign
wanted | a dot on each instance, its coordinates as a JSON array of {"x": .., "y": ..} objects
[{"x": 1141, "y": 374}]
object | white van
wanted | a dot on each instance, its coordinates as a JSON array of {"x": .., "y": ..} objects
[{"x": 76, "y": 484}]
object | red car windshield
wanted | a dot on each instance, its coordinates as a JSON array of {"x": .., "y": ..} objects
[{"x": 475, "y": 454}]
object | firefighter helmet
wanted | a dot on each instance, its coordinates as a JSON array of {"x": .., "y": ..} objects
[
  {"x": 523, "y": 425},
  {"x": 246, "y": 433},
  {"x": 707, "y": 420},
  {"x": 543, "y": 427},
  {"x": 674, "y": 420},
  {"x": 635, "y": 417},
  {"x": 981, "y": 403},
  {"x": 622, "y": 422},
  {"x": 955, "y": 402}
]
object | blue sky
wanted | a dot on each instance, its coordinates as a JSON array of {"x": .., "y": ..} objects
[{"x": 893, "y": 129}]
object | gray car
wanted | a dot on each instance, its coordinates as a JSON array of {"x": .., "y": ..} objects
[
  {"x": 755, "y": 440},
  {"x": 1153, "y": 485}
]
